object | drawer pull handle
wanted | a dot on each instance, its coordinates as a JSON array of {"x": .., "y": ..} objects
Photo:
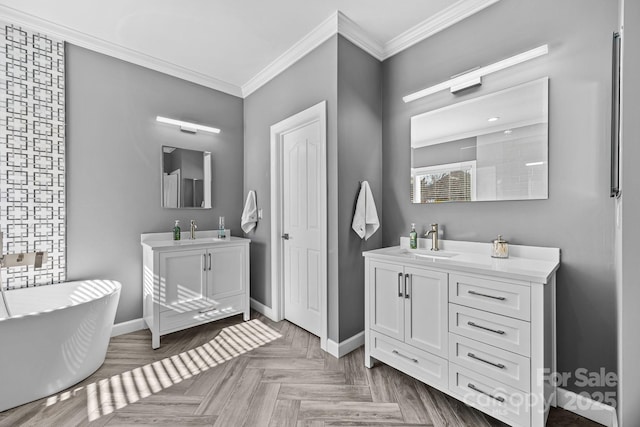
[
  {"x": 406, "y": 357},
  {"x": 497, "y": 365},
  {"x": 498, "y": 398},
  {"x": 205, "y": 262},
  {"x": 208, "y": 309},
  {"x": 209, "y": 261},
  {"x": 486, "y": 295},
  {"x": 400, "y": 285},
  {"x": 406, "y": 291},
  {"x": 495, "y": 331}
]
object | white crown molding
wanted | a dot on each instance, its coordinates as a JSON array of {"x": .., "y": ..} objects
[
  {"x": 312, "y": 40},
  {"x": 438, "y": 22},
  {"x": 99, "y": 45},
  {"x": 356, "y": 35},
  {"x": 337, "y": 23}
]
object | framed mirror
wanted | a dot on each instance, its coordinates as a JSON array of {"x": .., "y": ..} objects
[
  {"x": 494, "y": 147},
  {"x": 186, "y": 178}
]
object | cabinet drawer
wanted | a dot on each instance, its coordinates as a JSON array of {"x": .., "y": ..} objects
[
  {"x": 497, "y": 399},
  {"x": 508, "y": 299},
  {"x": 419, "y": 364},
  {"x": 171, "y": 321},
  {"x": 509, "y": 368},
  {"x": 500, "y": 331}
]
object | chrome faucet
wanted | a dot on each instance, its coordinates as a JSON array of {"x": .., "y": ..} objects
[
  {"x": 193, "y": 229},
  {"x": 434, "y": 237}
]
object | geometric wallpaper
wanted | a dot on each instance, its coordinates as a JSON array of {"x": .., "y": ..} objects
[{"x": 32, "y": 153}]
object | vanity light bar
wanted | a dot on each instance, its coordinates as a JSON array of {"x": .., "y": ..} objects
[
  {"x": 474, "y": 78},
  {"x": 186, "y": 126}
]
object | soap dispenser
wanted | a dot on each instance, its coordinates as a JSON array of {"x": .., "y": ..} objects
[
  {"x": 413, "y": 237},
  {"x": 176, "y": 230}
]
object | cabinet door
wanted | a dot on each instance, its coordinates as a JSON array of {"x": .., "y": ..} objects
[
  {"x": 426, "y": 311},
  {"x": 386, "y": 292},
  {"x": 226, "y": 271},
  {"x": 182, "y": 280}
]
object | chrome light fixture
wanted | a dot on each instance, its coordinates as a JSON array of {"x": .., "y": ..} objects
[
  {"x": 474, "y": 77},
  {"x": 187, "y": 126}
]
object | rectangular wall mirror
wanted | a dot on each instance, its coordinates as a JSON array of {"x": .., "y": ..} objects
[
  {"x": 494, "y": 147},
  {"x": 186, "y": 178}
]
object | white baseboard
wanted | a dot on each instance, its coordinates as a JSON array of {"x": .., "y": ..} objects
[
  {"x": 127, "y": 327},
  {"x": 263, "y": 309},
  {"x": 588, "y": 408},
  {"x": 345, "y": 347}
]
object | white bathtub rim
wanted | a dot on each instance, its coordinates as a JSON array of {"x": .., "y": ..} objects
[{"x": 117, "y": 287}]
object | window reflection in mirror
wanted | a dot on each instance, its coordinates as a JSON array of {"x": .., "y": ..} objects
[
  {"x": 186, "y": 178},
  {"x": 494, "y": 147}
]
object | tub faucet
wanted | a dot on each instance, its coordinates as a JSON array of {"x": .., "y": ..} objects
[
  {"x": 434, "y": 237},
  {"x": 193, "y": 229}
]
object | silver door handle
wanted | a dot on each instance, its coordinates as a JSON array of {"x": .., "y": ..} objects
[
  {"x": 498, "y": 398},
  {"x": 495, "y": 331},
  {"x": 407, "y": 277},
  {"x": 406, "y": 357},
  {"x": 497, "y": 365},
  {"x": 209, "y": 261},
  {"x": 285, "y": 236},
  {"x": 205, "y": 262},
  {"x": 486, "y": 295}
]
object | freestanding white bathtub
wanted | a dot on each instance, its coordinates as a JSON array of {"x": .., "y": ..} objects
[{"x": 57, "y": 336}]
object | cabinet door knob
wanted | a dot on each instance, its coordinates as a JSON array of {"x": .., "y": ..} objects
[
  {"x": 400, "y": 285},
  {"x": 285, "y": 236}
]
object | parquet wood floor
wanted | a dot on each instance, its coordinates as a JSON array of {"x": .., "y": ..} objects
[{"x": 257, "y": 373}]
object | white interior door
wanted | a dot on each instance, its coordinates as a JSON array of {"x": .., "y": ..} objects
[{"x": 302, "y": 263}]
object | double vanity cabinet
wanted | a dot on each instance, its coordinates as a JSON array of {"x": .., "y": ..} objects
[
  {"x": 191, "y": 282},
  {"x": 477, "y": 328}
]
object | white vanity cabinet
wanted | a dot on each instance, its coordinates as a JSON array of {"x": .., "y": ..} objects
[
  {"x": 477, "y": 328},
  {"x": 190, "y": 282},
  {"x": 408, "y": 318}
]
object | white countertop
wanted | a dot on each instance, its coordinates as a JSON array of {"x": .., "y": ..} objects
[
  {"x": 203, "y": 238},
  {"x": 526, "y": 263}
]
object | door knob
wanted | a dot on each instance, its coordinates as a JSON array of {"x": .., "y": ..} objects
[{"x": 285, "y": 236}]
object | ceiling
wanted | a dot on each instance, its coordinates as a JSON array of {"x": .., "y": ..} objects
[{"x": 234, "y": 45}]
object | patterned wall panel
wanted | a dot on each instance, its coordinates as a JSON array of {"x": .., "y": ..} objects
[{"x": 32, "y": 157}]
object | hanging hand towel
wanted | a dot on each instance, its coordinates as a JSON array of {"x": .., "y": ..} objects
[
  {"x": 365, "y": 219},
  {"x": 250, "y": 213}
]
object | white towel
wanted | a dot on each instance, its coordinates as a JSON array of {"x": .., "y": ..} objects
[
  {"x": 250, "y": 213},
  {"x": 365, "y": 219}
]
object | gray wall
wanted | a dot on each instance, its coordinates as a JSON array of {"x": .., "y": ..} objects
[
  {"x": 628, "y": 231},
  {"x": 309, "y": 81},
  {"x": 359, "y": 159},
  {"x": 578, "y": 216},
  {"x": 114, "y": 164},
  {"x": 349, "y": 80}
]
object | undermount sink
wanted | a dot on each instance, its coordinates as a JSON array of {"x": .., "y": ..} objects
[
  {"x": 426, "y": 253},
  {"x": 197, "y": 240}
]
